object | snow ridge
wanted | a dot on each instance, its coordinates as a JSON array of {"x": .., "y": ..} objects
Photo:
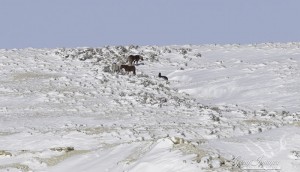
[{"x": 69, "y": 111}]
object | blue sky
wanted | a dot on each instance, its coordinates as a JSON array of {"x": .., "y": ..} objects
[{"x": 95, "y": 23}]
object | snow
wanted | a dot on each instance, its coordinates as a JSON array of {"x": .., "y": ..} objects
[{"x": 224, "y": 108}]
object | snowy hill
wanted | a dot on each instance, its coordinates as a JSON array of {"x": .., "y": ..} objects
[{"x": 223, "y": 107}]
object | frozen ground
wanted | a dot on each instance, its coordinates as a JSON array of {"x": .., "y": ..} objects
[{"x": 225, "y": 108}]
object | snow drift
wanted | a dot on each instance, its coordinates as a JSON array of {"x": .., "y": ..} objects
[{"x": 224, "y": 107}]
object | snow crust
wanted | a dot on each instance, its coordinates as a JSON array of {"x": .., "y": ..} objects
[{"x": 224, "y": 108}]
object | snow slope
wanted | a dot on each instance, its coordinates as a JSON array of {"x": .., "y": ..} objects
[{"x": 223, "y": 107}]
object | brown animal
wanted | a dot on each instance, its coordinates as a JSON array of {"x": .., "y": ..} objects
[
  {"x": 128, "y": 68},
  {"x": 134, "y": 59}
]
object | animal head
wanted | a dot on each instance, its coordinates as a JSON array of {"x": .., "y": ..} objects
[{"x": 122, "y": 66}]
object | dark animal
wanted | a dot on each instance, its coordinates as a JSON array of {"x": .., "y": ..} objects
[
  {"x": 163, "y": 77},
  {"x": 128, "y": 68},
  {"x": 134, "y": 59}
]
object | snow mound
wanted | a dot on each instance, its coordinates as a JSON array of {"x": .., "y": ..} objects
[{"x": 63, "y": 109}]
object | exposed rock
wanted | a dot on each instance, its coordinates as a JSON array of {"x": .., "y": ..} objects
[
  {"x": 66, "y": 149},
  {"x": 5, "y": 153}
]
